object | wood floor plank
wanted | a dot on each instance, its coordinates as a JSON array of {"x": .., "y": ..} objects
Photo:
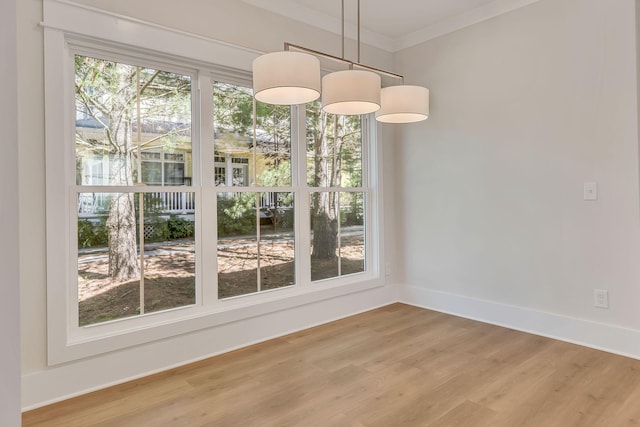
[
  {"x": 467, "y": 414},
  {"x": 394, "y": 366}
]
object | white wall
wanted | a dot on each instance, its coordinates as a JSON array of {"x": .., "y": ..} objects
[
  {"x": 526, "y": 107},
  {"x": 9, "y": 287},
  {"x": 228, "y": 20},
  {"x": 241, "y": 24}
]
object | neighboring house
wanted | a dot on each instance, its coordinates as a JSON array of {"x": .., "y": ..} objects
[{"x": 165, "y": 161}]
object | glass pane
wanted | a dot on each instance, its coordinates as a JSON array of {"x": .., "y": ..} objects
[
  {"x": 220, "y": 175},
  {"x": 324, "y": 235},
  {"x": 237, "y": 244},
  {"x": 270, "y": 160},
  {"x": 152, "y": 173},
  {"x": 337, "y": 247},
  {"x": 351, "y": 152},
  {"x": 334, "y": 149},
  {"x": 108, "y": 257},
  {"x": 277, "y": 240},
  {"x": 174, "y": 174},
  {"x": 233, "y": 131},
  {"x": 273, "y": 150},
  {"x": 240, "y": 176},
  {"x": 352, "y": 254},
  {"x": 109, "y": 268},
  {"x": 124, "y": 112},
  {"x": 169, "y": 251}
]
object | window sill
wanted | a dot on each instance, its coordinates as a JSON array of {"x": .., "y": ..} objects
[{"x": 165, "y": 325}]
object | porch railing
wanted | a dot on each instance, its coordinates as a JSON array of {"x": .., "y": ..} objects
[{"x": 93, "y": 204}]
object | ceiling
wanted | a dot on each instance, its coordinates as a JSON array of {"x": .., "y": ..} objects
[{"x": 392, "y": 25}]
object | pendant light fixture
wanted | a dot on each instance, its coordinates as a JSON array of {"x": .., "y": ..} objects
[
  {"x": 351, "y": 92},
  {"x": 286, "y": 78},
  {"x": 293, "y": 77},
  {"x": 403, "y": 104}
]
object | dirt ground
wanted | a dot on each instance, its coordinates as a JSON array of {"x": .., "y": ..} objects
[{"x": 169, "y": 279}]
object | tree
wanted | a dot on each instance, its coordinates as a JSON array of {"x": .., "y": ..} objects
[{"x": 119, "y": 103}]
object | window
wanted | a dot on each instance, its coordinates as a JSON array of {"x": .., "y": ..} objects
[
  {"x": 176, "y": 213},
  {"x": 334, "y": 174},
  {"x": 238, "y": 169},
  {"x": 256, "y": 236},
  {"x": 162, "y": 168},
  {"x": 135, "y": 248}
]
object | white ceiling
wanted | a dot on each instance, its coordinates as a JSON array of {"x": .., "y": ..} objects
[{"x": 392, "y": 25}]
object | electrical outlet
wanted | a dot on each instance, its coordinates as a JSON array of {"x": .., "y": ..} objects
[{"x": 601, "y": 298}]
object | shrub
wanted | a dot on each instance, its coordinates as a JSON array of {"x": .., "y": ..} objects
[
  {"x": 236, "y": 215},
  {"x": 91, "y": 234},
  {"x": 179, "y": 228}
]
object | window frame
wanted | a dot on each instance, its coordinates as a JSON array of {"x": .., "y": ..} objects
[{"x": 71, "y": 29}]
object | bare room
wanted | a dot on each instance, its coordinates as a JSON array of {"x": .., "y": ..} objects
[{"x": 302, "y": 213}]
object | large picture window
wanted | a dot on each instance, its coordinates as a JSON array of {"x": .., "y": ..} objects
[
  {"x": 184, "y": 201},
  {"x": 136, "y": 248}
]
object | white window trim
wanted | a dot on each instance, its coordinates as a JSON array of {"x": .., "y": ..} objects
[{"x": 67, "y": 23}]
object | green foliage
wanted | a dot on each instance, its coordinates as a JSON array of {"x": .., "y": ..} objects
[
  {"x": 90, "y": 234},
  {"x": 158, "y": 231},
  {"x": 234, "y": 113},
  {"x": 179, "y": 228},
  {"x": 278, "y": 176},
  {"x": 237, "y": 215},
  {"x": 233, "y": 108},
  {"x": 175, "y": 227}
]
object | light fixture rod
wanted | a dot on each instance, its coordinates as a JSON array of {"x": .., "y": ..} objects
[
  {"x": 342, "y": 55},
  {"x": 358, "y": 30},
  {"x": 288, "y": 46}
]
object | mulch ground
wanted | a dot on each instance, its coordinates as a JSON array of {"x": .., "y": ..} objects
[{"x": 169, "y": 279}]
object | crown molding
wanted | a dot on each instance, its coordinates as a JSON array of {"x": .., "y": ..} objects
[
  {"x": 455, "y": 23},
  {"x": 323, "y": 21},
  {"x": 306, "y": 15}
]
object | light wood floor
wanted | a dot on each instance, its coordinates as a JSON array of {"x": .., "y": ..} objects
[{"x": 395, "y": 366}]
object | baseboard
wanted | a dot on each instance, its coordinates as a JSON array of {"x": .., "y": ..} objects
[{"x": 600, "y": 336}]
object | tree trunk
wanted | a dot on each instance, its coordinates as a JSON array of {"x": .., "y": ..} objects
[
  {"x": 324, "y": 207},
  {"x": 121, "y": 223},
  {"x": 123, "y": 253},
  {"x": 325, "y": 226}
]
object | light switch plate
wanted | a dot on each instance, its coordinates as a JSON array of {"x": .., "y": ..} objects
[{"x": 590, "y": 191}]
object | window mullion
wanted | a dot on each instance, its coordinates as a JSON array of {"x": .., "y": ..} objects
[
  {"x": 204, "y": 178},
  {"x": 206, "y": 250},
  {"x": 205, "y": 149},
  {"x": 371, "y": 168},
  {"x": 303, "y": 218}
]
